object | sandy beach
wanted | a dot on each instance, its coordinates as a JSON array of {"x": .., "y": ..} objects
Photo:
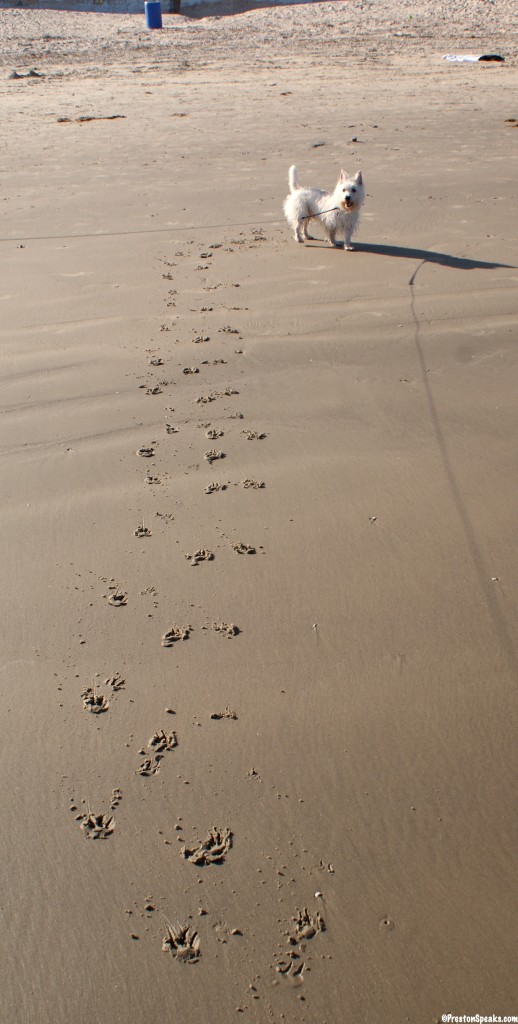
[{"x": 259, "y": 588}]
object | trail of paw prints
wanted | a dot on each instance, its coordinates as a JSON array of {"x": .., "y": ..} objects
[
  {"x": 248, "y": 484},
  {"x": 212, "y": 850},
  {"x": 305, "y": 927}
]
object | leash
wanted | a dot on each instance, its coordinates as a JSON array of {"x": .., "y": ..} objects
[{"x": 321, "y": 214}]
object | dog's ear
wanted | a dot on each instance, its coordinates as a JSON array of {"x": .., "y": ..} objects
[
  {"x": 343, "y": 176},
  {"x": 359, "y": 178}
]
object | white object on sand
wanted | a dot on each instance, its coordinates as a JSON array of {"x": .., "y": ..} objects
[{"x": 472, "y": 58}]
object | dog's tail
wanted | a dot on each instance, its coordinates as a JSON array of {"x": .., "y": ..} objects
[{"x": 293, "y": 178}]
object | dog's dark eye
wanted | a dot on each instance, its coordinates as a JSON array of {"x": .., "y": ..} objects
[{"x": 353, "y": 188}]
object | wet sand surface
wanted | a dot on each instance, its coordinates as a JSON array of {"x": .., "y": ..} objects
[{"x": 259, "y": 572}]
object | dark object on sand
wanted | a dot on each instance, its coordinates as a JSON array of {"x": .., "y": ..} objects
[
  {"x": 153, "y": 13},
  {"x": 491, "y": 56}
]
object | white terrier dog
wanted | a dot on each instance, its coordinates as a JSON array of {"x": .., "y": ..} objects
[{"x": 338, "y": 211}]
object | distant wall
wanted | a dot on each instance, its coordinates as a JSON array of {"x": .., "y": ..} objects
[
  {"x": 114, "y": 6},
  {"x": 122, "y": 6}
]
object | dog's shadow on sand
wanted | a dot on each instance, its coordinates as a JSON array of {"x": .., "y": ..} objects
[{"x": 428, "y": 256}]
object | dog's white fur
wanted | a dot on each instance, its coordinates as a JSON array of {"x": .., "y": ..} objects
[{"x": 303, "y": 204}]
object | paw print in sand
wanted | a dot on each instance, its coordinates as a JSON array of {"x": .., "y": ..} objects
[
  {"x": 213, "y": 454},
  {"x": 183, "y": 943},
  {"x": 306, "y": 926},
  {"x": 174, "y": 634},
  {"x": 227, "y": 629},
  {"x": 212, "y": 850},
  {"x": 253, "y": 435},
  {"x": 97, "y": 826},
  {"x": 227, "y": 713},
  {"x": 93, "y": 701},
  {"x": 201, "y": 555},
  {"x": 244, "y": 549},
  {"x": 160, "y": 741},
  {"x": 149, "y": 766}
]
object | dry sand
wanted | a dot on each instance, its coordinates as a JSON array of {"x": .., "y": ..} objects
[{"x": 369, "y": 776}]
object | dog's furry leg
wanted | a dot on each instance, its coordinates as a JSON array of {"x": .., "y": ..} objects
[{"x": 347, "y": 241}]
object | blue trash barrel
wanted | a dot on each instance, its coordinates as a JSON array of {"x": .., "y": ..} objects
[{"x": 153, "y": 10}]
